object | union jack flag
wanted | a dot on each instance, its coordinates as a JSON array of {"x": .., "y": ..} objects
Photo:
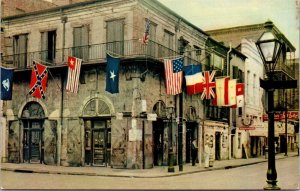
[
  {"x": 208, "y": 85},
  {"x": 145, "y": 38}
]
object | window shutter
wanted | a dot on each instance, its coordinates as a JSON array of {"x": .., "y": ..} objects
[
  {"x": 44, "y": 45},
  {"x": 85, "y": 42}
]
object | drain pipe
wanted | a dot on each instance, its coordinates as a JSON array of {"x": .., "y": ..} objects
[{"x": 230, "y": 109}]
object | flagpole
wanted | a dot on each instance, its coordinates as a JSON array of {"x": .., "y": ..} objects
[{"x": 53, "y": 79}]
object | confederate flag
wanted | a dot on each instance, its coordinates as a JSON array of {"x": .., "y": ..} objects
[{"x": 38, "y": 82}]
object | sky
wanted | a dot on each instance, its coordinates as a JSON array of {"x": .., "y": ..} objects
[{"x": 214, "y": 14}]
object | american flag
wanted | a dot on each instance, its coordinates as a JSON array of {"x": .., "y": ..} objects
[
  {"x": 73, "y": 74},
  {"x": 145, "y": 38},
  {"x": 174, "y": 75},
  {"x": 208, "y": 85}
]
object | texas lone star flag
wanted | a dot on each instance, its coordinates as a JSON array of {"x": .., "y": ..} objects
[
  {"x": 194, "y": 79},
  {"x": 112, "y": 74},
  {"x": 74, "y": 66},
  {"x": 38, "y": 82},
  {"x": 173, "y": 75}
]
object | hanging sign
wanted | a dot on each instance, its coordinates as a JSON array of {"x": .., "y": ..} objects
[
  {"x": 151, "y": 116},
  {"x": 119, "y": 116}
]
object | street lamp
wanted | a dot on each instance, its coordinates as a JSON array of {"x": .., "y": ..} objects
[
  {"x": 170, "y": 144},
  {"x": 269, "y": 48}
]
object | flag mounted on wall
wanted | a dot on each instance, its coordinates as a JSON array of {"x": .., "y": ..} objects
[
  {"x": 112, "y": 74},
  {"x": 225, "y": 92},
  {"x": 239, "y": 95},
  {"x": 194, "y": 79},
  {"x": 173, "y": 75},
  {"x": 145, "y": 38},
  {"x": 38, "y": 82},
  {"x": 6, "y": 83},
  {"x": 208, "y": 85},
  {"x": 74, "y": 66}
]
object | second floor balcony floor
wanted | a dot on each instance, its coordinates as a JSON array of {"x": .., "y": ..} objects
[{"x": 96, "y": 53}]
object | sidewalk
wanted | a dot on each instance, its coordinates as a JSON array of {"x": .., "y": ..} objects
[{"x": 158, "y": 171}]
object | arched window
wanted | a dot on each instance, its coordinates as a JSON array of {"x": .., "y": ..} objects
[
  {"x": 160, "y": 109},
  {"x": 33, "y": 110},
  {"x": 96, "y": 107}
]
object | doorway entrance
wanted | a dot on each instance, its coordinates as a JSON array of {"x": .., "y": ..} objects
[
  {"x": 97, "y": 143},
  {"x": 217, "y": 148},
  {"x": 33, "y": 118},
  {"x": 33, "y": 144},
  {"x": 191, "y": 133},
  {"x": 158, "y": 142}
]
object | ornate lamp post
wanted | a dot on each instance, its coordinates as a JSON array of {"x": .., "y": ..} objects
[
  {"x": 170, "y": 143},
  {"x": 269, "y": 48}
]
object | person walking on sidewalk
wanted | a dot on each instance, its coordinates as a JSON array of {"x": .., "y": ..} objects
[
  {"x": 206, "y": 154},
  {"x": 194, "y": 151}
]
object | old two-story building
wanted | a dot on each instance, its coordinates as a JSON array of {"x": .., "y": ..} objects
[
  {"x": 251, "y": 132},
  {"x": 129, "y": 129}
]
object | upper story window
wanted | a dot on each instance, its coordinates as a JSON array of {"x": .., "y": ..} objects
[
  {"x": 115, "y": 36},
  {"x": 48, "y": 45},
  {"x": 237, "y": 74},
  {"x": 20, "y": 44},
  {"x": 215, "y": 62},
  {"x": 151, "y": 47},
  {"x": 197, "y": 52},
  {"x": 152, "y": 31},
  {"x": 81, "y": 42},
  {"x": 169, "y": 39}
]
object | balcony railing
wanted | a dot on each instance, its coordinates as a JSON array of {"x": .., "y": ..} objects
[
  {"x": 93, "y": 53},
  {"x": 286, "y": 67}
]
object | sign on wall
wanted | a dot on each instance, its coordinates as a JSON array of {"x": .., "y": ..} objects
[{"x": 293, "y": 115}]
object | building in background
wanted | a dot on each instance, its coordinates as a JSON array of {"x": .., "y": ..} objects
[{"x": 251, "y": 134}]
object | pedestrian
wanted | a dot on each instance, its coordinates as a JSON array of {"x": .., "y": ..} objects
[
  {"x": 206, "y": 154},
  {"x": 194, "y": 151}
]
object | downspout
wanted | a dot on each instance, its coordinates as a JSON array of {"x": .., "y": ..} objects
[{"x": 230, "y": 109}]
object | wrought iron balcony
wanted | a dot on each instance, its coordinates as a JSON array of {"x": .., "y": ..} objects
[
  {"x": 95, "y": 53},
  {"x": 285, "y": 68}
]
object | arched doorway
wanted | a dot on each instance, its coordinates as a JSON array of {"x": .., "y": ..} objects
[
  {"x": 97, "y": 133},
  {"x": 159, "y": 134},
  {"x": 33, "y": 118}
]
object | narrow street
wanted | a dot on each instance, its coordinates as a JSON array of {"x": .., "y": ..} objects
[{"x": 247, "y": 177}]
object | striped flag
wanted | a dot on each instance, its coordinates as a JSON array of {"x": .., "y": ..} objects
[
  {"x": 173, "y": 75},
  {"x": 74, "y": 65},
  {"x": 194, "y": 79},
  {"x": 225, "y": 91}
]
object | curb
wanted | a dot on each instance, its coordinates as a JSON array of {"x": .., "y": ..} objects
[{"x": 134, "y": 176}]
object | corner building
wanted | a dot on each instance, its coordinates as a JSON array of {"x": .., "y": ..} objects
[{"x": 94, "y": 127}]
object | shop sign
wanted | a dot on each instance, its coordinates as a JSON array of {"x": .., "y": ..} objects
[
  {"x": 246, "y": 128},
  {"x": 119, "y": 116},
  {"x": 151, "y": 116},
  {"x": 293, "y": 115}
]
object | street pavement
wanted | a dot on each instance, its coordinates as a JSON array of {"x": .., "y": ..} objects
[{"x": 157, "y": 171}]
